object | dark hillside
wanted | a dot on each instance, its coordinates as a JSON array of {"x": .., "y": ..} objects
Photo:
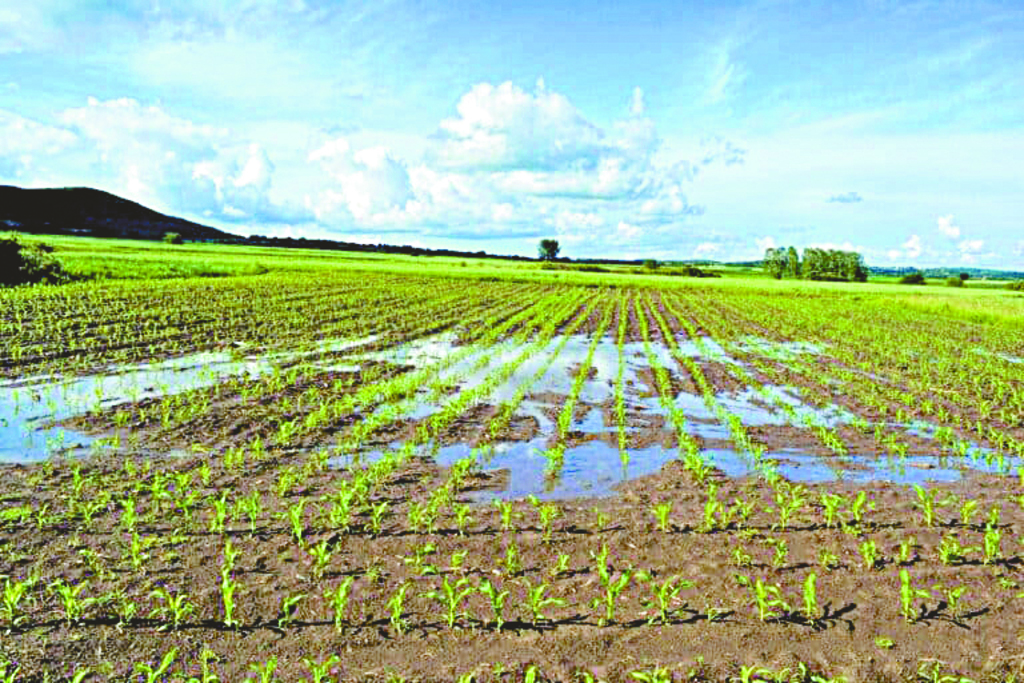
[{"x": 85, "y": 211}]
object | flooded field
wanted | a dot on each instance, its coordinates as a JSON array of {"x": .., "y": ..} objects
[{"x": 626, "y": 465}]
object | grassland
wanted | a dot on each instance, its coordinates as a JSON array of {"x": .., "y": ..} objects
[{"x": 281, "y": 465}]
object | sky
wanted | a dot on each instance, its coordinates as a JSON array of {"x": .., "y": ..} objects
[{"x": 684, "y": 130}]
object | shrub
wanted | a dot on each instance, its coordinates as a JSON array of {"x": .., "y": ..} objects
[
  {"x": 173, "y": 238},
  {"x": 915, "y": 278},
  {"x": 954, "y": 282},
  {"x": 1016, "y": 286},
  {"x": 22, "y": 264}
]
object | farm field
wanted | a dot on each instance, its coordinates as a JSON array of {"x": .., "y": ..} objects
[{"x": 355, "y": 467}]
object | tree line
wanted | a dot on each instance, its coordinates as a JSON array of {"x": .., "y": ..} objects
[{"x": 816, "y": 264}]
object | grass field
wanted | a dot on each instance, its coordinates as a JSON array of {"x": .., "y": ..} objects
[{"x": 231, "y": 463}]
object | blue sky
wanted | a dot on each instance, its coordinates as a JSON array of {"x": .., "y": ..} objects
[{"x": 626, "y": 129}]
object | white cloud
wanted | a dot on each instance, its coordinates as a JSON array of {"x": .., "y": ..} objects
[
  {"x": 912, "y": 247},
  {"x": 628, "y": 232},
  {"x": 636, "y": 107},
  {"x": 970, "y": 249},
  {"x": 947, "y": 228},
  {"x": 174, "y": 164},
  {"x": 22, "y": 141},
  {"x": 765, "y": 243},
  {"x": 705, "y": 250}
]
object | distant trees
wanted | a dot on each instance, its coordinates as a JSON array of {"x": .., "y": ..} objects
[
  {"x": 548, "y": 250},
  {"x": 817, "y": 264},
  {"x": 915, "y": 278}
]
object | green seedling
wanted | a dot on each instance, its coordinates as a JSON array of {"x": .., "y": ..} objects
[
  {"x": 418, "y": 560},
  {"x": 396, "y": 605},
  {"x": 511, "y": 562},
  {"x": 154, "y": 675},
  {"x": 656, "y": 675},
  {"x": 951, "y": 552},
  {"x": 600, "y": 518},
  {"x": 928, "y": 504},
  {"x": 812, "y": 612},
  {"x": 612, "y": 587},
  {"x": 828, "y": 559},
  {"x": 228, "y": 588},
  {"x": 318, "y": 671},
  {"x": 70, "y": 598},
  {"x": 561, "y": 565},
  {"x": 377, "y": 513},
  {"x": 741, "y": 558},
  {"x": 664, "y": 597},
  {"x": 932, "y": 673},
  {"x": 297, "y": 524},
  {"x": 266, "y": 671},
  {"x": 450, "y": 597},
  {"x": 712, "y": 509},
  {"x": 780, "y": 551},
  {"x": 767, "y": 598},
  {"x": 219, "y": 518},
  {"x": 869, "y": 552},
  {"x": 547, "y": 513},
  {"x": 831, "y": 504},
  {"x": 907, "y": 547},
  {"x": 789, "y": 500},
  {"x": 289, "y": 609},
  {"x": 15, "y": 594},
  {"x": 661, "y": 513},
  {"x": 172, "y": 607},
  {"x": 462, "y": 517},
  {"x": 952, "y": 596},
  {"x": 230, "y": 555},
  {"x": 992, "y": 544},
  {"x": 505, "y": 512},
  {"x": 967, "y": 510},
  {"x": 908, "y": 594},
  {"x": 321, "y": 554},
  {"x": 338, "y": 599},
  {"x": 536, "y": 601},
  {"x": 252, "y": 507},
  {"x": 884, "y": 642},
  {"x": 497, "y": 599}
]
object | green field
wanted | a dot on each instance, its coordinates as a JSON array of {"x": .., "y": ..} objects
[{"x": 267, "y": 464}]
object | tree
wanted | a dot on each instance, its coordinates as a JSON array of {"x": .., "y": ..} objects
[
  {"x": 651, "y": 264},
  {"x": 173, "y": 238},
  {"x": 548, "y": 250},
  {"x": 792, "y": 263},
  {"x": 775, "y": 262}
]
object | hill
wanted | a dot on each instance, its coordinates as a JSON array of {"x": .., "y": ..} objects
[{"x": 85, "y": 211}]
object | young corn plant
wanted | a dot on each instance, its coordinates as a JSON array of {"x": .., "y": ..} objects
[
  {"x": 811, "y": 610},
  {"x": 908, "y": 594},
  {"x": 265, "y": 672},
  {"x": 228, "y": 588},
  {"x": 952, "y": 595},
  {"x": 992, "y": 544},
  {"x": 289, "y": 609},
  {"x": 462, "y": 517},
  {"x": 664, "y": 597},
  {"x": 928, "y": 504},
  {"x": 321, "y": 554},
  {"x": 172, "y": 608},
  {"x": 831, "y": 505},
  {"x": 951, "y": 552},
  {"x": 869, "y": 553},
  {"x": 297, "y": 524},
  {"x": 661, "y": 513},
  {"x": 70, "y": 598},
  {"x": 319, "y": 671},
  {"x": 450, "y": 597},
  {"x": 396, "y": 605},
  {"x": 537, "y": 601},
  {"x": 613, "y": 587},
  {"x": 154, "y": 675},
  {"x": 15, "y": 596},
  {"x": 337, "y": 598},
  {"x": 767, "y": 598},
  {"x": 789, "y": 500},
  {"x": 497, "y": 599}
]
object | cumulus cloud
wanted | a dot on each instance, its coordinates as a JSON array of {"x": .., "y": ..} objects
[
  {"x": 947, "y": 228},
  {"x": 970, "y": 249},
  {"x": 845, "y": 198},
  {"x": 912, "y": 248},
  {"x": 706, "y": 250},
  {"x": 157, "y": 158},
  {"x": 23, "y": 140},
  {"x": 716, "y": 148},
  {"x": 765, "y": 243}
]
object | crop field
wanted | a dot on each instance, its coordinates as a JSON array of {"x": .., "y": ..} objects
[{"x": 339, "y": 468}]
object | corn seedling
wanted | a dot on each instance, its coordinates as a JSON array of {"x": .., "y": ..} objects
[
  {"x": 172, "y": 607},
  {"x": 908, "y": 594},
  {"x": 338, "y": 599},
  {"x": 497, "y": 599},
  {"x": 547, "y": 514},
  {"x": 153, "y": 675},
  {"x": 928, "y": 505},
  {"x": 396, "y": 605},
  {"x": 661, "y": 513},
  {"x": 418, "y": 560},
  {"x": 992, "y": 544},
  {"x": 664, "y": 596},
  {"x": 655, "y": 675},
  {"x": 967, "y": 510},
  {"x": 219, "y": 518},
  {"x": 831, "y": 504},
  {"x": 450, "y": 597},
  {"x": 827, "y": 559},
  {"x": 318, "y": 671},
  {"x": 812, "y": 612},
  {"x": 741, "y": 558},
  {"x": 14, "y": 595},
  {"x": 228, "y": 588},
  {"x": 70, "y": 599},
  {"x": 951, "y": 552},
  {"x": 295, "y": 518},
  {"x": 789, "y": 500},
  {"x": 907, "y": 547},
  {"x": 252, "y": 507},
  {"x": 780, "y": 551},
  {"x": 321, "y": 554},
  {"x": 505, "y": 512},
  {"x": 289, "y": 609},
  {"x": 462, "y": 517},
  {"x": 561, "y": 565},
  {"x": 952, "y": 595},
  {"x": 767, "y": 598},
  {"x": 869, "y": 553},
  {"x": 536, "y": 601},
  {"x": 265, "y": 672},
  {"x": 511, "y": 563},
  {"x": 932, "y": 673},
  {"x": 377, "y": 513}
]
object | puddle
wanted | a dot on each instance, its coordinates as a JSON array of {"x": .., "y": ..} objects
[
  {"x": 995, "y": 354},
  {"x": 29, "y": 406},
  {"x": 784, "y": 351}
]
